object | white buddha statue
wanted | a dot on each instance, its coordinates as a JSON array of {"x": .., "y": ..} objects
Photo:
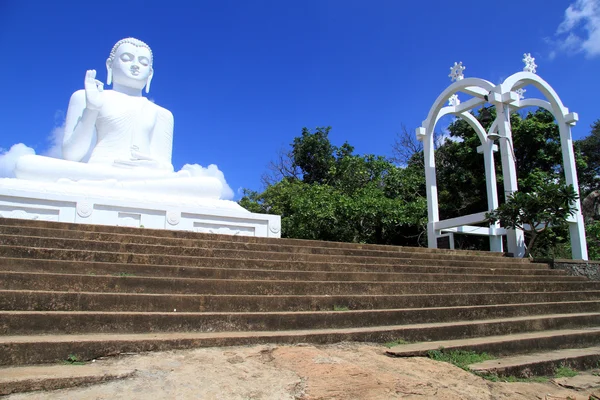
[{"x": 126, "y": 139}]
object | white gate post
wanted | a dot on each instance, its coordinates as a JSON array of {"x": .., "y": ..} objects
[
  {"x": 492, "y": 192},
  {"x": 577, "y": 227},
  {"x": 515, "y": 241},
  {"x": 431, "y": 184}
]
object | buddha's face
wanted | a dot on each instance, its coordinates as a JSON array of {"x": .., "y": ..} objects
[{"x": 131, "y": 66}]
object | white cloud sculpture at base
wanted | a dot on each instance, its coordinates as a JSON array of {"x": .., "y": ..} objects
[
  {"x": 213, "y": 171},
  {"x": 8, "y": 159}
]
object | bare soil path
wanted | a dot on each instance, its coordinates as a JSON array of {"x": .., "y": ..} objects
[{"x": 345, "y": 371}]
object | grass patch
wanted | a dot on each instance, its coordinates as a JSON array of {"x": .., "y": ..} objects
[
  {"x": 463, "y": 359},
  {"x": 460, "y": 358},
  {"x": 340, "y": 308},
  {"x": 124, "y": 274},
  {"x": 561, "y": 372},
  {"x": 396, "y": 342},
  {"x": 73, "y": 359},
  {"x": 496, "y": 378},
  {"x": 565, "y": 372}
]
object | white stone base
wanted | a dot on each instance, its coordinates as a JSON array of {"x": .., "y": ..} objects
[{"x": 69, "y": 202}]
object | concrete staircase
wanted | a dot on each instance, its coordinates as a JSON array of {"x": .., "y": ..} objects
[{"x": 93, "y": 291}]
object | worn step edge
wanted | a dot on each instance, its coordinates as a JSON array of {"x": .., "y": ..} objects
[
  {"x": 159, "y": 249},
  {"x": 30, "y": 300},
  {"x": 125, "y": 284},
  {"x": 35, "y": 378},
  {"x": 193, "y": 235},
  {"x": 172, "y": 271},
  {"x": 144, "y": 258},
  {"x": 540, "y": 364},
  {"x": 319, "y": 267},
  {"x": 60, "y": 322},
  {"x": 503, "y": 345},
  {"x": 36, "y": 349},
  {"x": 104, "y": 237}
]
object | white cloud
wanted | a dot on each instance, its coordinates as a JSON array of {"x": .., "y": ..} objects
[
  {"x": 8, "y": 159},
  {"x": 579, "y": 32},
  {"x": 441, "y": 137},
  {"x": 55, "y": 139},
  {"x": 446, "y": 135},
  {"x": 211, "y": 170}
]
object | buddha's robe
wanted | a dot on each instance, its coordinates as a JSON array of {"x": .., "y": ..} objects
[{"x": 132, "y": 149}]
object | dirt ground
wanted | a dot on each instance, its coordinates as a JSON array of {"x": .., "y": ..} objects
[{"x": 343, "y": 371}]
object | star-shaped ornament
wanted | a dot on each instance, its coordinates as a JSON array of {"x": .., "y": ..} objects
[
  {"x": 529, "y": 61},
  {"x": 456, "y": 72},
  {"x": 453, "y": 100}
]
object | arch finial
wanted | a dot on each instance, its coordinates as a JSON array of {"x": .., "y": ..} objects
[
  {"x": 456, "y": 71},
  {"x": 530, "y": 64}
]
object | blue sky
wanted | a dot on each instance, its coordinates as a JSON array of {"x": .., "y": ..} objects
[{"x": 243, "y": 77}]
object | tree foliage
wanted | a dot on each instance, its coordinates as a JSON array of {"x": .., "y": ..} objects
[
  {"x": 589, "y": 148},
  {"x": 327, "y": 192},
  {"x": 338, "y": 195},
  {"x": 547, "y": 205},
  {"x": 592, "y": 233}
]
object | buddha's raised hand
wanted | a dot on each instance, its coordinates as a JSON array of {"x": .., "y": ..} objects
[{"x": 93, "y": 91}]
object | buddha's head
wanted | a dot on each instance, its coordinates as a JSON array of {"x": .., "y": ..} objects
[{"x": 130, "y": 64}]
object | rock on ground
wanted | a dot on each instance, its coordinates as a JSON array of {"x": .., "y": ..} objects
[{"x": 345, "y": 371}]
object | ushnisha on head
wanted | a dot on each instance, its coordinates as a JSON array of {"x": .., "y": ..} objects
[{"x": 130, "y": 64}]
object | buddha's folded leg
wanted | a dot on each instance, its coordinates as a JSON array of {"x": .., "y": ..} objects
[
  {"x": 139, "y": 180},
  {"x": 47, "y": 169},
  {"x": 205, "y": 187}
]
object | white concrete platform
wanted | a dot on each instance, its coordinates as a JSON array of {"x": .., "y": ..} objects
[{"x": 75, "y": 203}]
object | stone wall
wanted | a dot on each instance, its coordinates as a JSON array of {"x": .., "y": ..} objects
[{"x": 590, "y": 269}]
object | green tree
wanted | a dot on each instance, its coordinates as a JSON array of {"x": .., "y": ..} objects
[
  {"x": 547, "y": 205},
  {"x": 313, "y": 153},
  {"x": 589, "y": 147},
  {"x": 592, "y": 233},
  {"x": 333, "y": 194}
]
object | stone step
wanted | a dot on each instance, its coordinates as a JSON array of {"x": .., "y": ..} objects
[
  {"x": 43, "y": 377},
  {"x": 9, "y": 222},
  {"x": 14, "y": 251},
  {"x": 399, "y": 274},
  {"x": 540, "y": 364},
  {"x": 168, "y": 285},
  {"x": 28, "y": 300},
  {"x": 516, "y": 343},
  {"x": 53, "y": 322},
  {"x": 111, "y": 268},
  {"x": 34, "y": 349},
  {"x": 157, "y": 249},
  {"x": 207, "y": 243}
]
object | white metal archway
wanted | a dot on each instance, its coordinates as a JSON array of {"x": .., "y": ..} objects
[{"x": 507, "y": 97}]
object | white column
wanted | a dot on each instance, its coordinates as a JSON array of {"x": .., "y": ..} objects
[
  {"x": 492, "y": 191},
  {"x": 514, "y": 237},
  {"x": 433, "y": 216},
  {"x": 576, "y": 227}
]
